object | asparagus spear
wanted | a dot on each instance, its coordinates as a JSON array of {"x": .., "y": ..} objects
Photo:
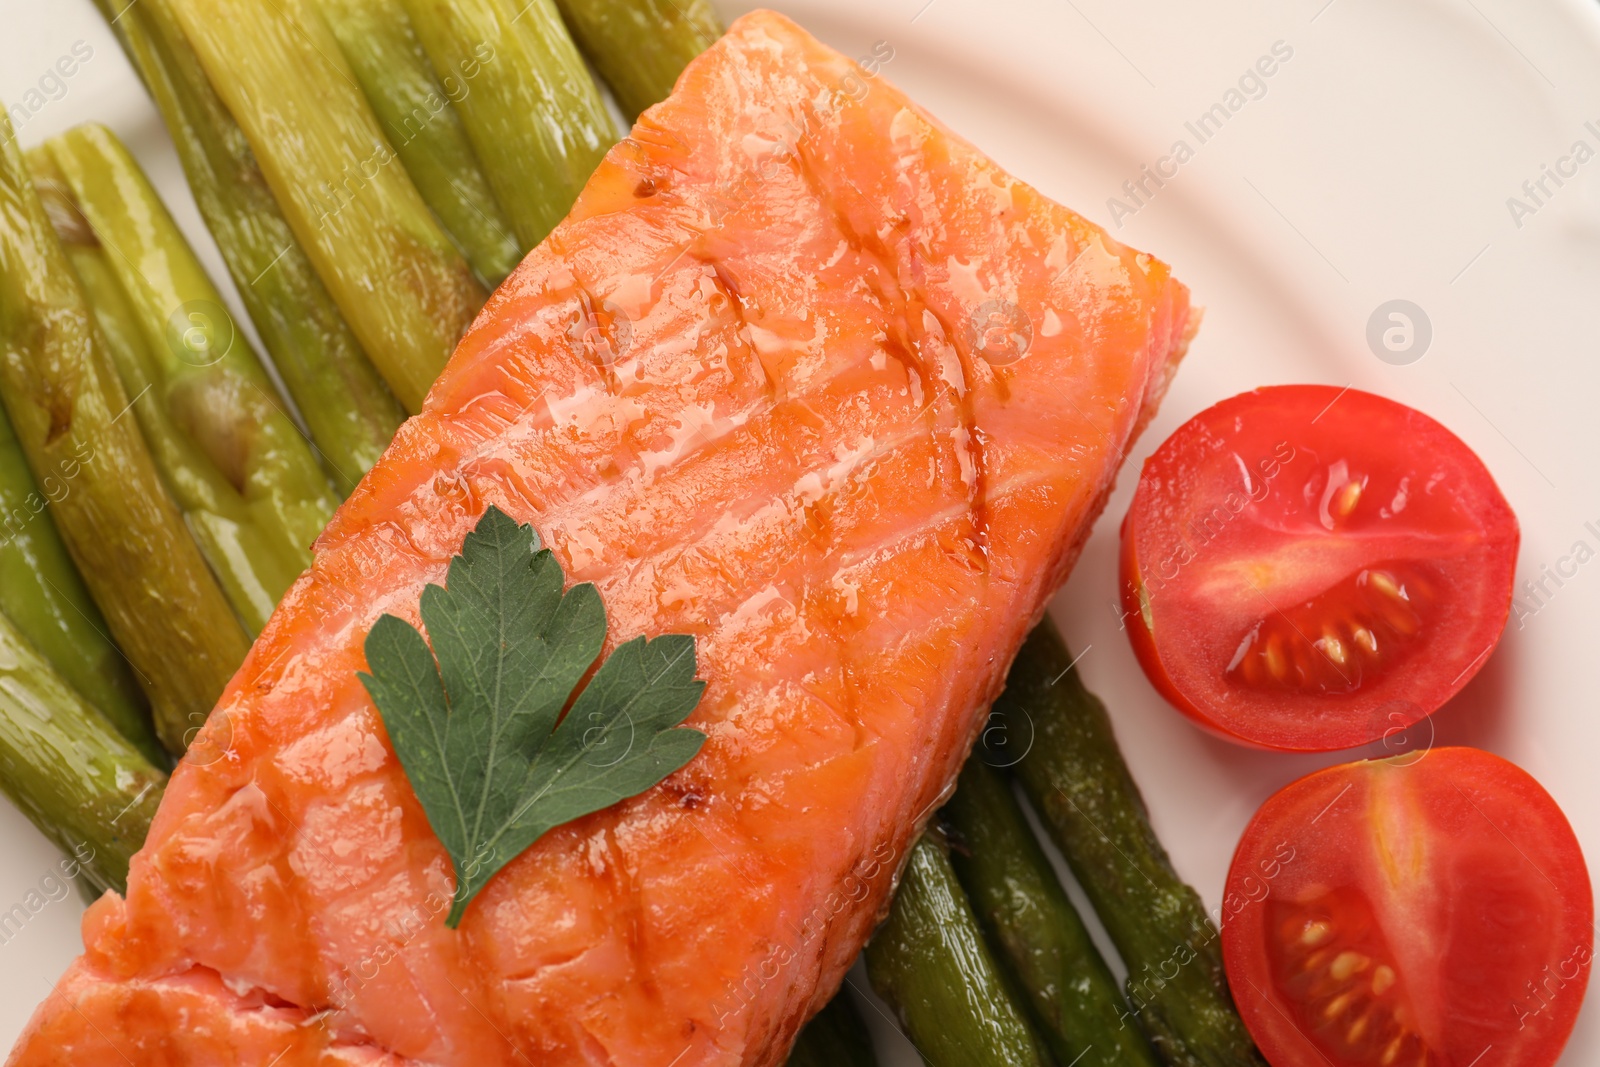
[
  {"x": 252, "y": 569},
  {"x": 929, "y": 961},
  {"x": 42, "y": 594},
  {"x": 405, "y": 290},
  {"x": 1076, "y": 779},
  {"x": 422, "y": 124},
  {"x": 79, "y": 781},
  {"x": 127, "y": 538},
  {"x": 835, "y": 1037},
  {"x": 246, "y": 479},
  {"x": 530, "y": 107},
  {"x": 348, "y": 408},
  {"x": 641, "y": 46},
  {"x": 1034, "y": 928}
]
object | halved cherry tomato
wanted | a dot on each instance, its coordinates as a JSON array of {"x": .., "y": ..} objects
[
  {"x": 1410, "y": 912},
  {"x": 1311, "y": 568}
]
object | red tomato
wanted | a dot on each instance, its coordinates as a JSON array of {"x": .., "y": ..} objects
[
  {"x": 1310, "y": 568},
  {"x": 1410, "y": 913}
]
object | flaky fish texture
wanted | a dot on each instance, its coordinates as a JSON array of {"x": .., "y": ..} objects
[{"x": 804, "y": 375}]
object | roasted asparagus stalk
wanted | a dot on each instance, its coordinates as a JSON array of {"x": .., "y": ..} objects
[
  {"x": 1034, "y": 928},
  {"x": 418, "y": 113},
  {"x": 80, "y": 782},
  {"x": 72, "y": 418},
  {"x": 930, "y": 962},
  {"x": 530, "y": 107},
  {"x": 1075, "y": 777},
  {"x": 641, "y": 46},
  {"x": 45, "y": 598},
  {"x": 349, "y": 409},
  {"x": 405, "y": 290},
  {"x": 247, "y": 480}
]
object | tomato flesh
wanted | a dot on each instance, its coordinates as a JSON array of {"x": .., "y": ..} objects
[
  {"x": 1300, "y": 561},
  {"x": 1334, "y": 968},
  {"x": 1362, "y": 627},
  {"x": 1431, "y": 909}
]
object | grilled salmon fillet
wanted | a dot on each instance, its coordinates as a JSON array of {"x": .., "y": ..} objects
[{"x": 804, "y": 375}]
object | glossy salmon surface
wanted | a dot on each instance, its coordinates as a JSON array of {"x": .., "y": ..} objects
[{"x": 803, "y": 375}]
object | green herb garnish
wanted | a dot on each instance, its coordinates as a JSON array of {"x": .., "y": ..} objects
[{"x": 479, "y": 730}]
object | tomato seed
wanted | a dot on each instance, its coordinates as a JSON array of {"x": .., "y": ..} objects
[{"x": 1346, "y": 964}]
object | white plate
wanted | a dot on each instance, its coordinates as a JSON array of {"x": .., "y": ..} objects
[{"x": 1374, "y": 164}]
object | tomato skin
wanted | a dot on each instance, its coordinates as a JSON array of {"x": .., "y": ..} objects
[
  {"x": 1234, "y": 494},
  {"x": 1436, "y": 903}
]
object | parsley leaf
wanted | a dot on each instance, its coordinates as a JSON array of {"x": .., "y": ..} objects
[{"x": 479, "y": 729}]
